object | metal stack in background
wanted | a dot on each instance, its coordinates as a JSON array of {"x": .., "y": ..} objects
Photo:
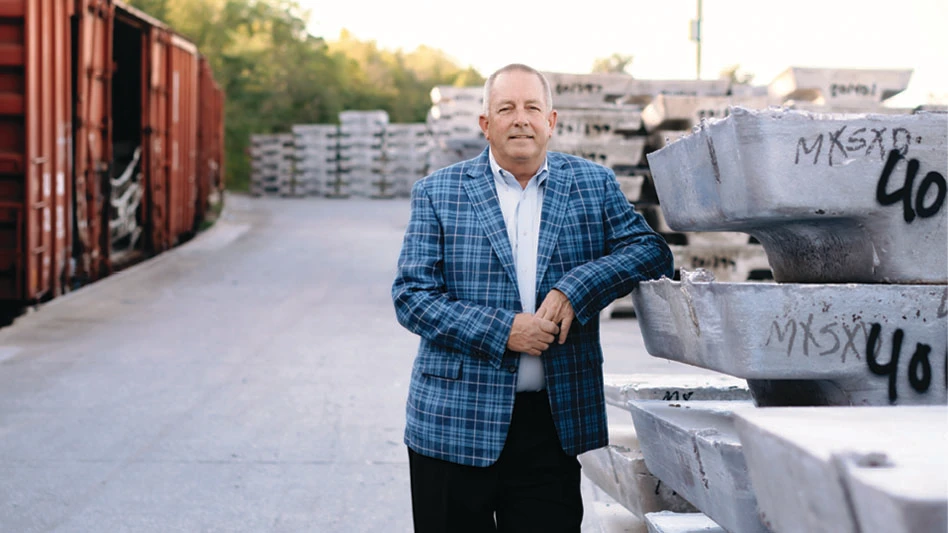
[
  {"x": 455, "y": 134},
  {"x": 361, "y": 136},
  {"x": 317, "y": 158},
  {"x": 595, "y": 123},
  {"x": 271, "y": 157},
  {"x": 404, "y": 152},
  {"x": 839, "y": 90}
]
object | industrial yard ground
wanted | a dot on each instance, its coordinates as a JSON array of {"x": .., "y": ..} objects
[{"x": 251, "y": 380}]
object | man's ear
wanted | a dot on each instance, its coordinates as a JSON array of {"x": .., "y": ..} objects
[
  {"x": 482, "y": 120},
  {"x": 552, "y": 120}
]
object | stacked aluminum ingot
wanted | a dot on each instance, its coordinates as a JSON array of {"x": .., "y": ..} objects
[
  {"x": 730, "y": 256},
  {"x": 455, "y": 134},
  {"x": 851, "y": 211},
  {"x": 271, "y": 157},
  {"x": 839, "y": 90},
  {"x": 614, "y": 120},
  {"x": 404, "y": 152},
  {"x": 317, "y": 158},
  {"x": 361, "y": 135},
  {"x": 619, "y": 469}
]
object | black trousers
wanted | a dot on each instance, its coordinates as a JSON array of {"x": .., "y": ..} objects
[{"x": 534, "y": 486}]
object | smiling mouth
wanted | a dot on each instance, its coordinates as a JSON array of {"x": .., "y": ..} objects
[{"x": 521, "y": 136}]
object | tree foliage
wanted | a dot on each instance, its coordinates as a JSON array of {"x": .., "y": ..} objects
[
  {"x": 737, "y": 75},
  {"x": 275, "y": 74},
  {"x": 616, "y": 63}
]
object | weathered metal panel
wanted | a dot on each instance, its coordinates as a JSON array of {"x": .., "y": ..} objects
[
  {"x": 93, "y": 135},
  {"x": 182, "y": 139},
  {"x": 35, "y": 142},
  {"x": 209, "y": 140},
  {"x": 155, "y": 158}
]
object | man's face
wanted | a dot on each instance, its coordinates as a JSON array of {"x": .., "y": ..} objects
[{"x": 519, "y": 123}]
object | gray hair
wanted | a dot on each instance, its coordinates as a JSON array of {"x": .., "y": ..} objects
[{"x": 489, "y": 85}]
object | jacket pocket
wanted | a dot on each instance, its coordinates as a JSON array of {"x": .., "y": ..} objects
[{"x": 444, "y": 367}]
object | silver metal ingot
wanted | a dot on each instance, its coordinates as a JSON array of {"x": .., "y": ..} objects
[
  {"x": 834, "y": 87},
  {"x": 694, "y": 448},
  {"x": 833, "y": 198},
  {"x": 671, "y": 522},
  {"x": 844, "y": 470},
  {"x": 620, "y": 389},
  {"x": 612, "y": 151},
  {"x": 619, "y": 470},
  {"x": 878, "y": 344}
]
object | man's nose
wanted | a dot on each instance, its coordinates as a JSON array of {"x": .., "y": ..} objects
[{"x": 520, "y": 119}]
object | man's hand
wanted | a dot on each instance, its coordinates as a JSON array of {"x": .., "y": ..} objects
[
  {"x": 557, "y": 309},
  {"x": 530, "y": 334}
]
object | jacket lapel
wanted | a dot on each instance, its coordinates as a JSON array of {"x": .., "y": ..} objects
[
  {"x": 482, "y": 191},
  {"x": 555, "y": 199}
]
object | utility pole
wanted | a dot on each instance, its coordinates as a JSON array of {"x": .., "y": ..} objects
[{"x": 696, "y": 37}]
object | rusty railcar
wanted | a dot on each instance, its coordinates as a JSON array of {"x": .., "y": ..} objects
[{"x": 111, "y": 142}]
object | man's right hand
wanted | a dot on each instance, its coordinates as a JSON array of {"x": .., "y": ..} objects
[{"x": 531, "y": 335}]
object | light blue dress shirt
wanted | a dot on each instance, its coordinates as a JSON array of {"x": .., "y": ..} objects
[{"x": 521, "y": 209}]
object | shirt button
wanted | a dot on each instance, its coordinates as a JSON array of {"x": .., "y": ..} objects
[{"x": 512, "y": 369}]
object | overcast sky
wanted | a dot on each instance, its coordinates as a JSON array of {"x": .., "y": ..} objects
[{"x": 763, "y": 36}]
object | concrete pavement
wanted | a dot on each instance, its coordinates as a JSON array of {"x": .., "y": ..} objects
[{"x": 251, "y": 380}]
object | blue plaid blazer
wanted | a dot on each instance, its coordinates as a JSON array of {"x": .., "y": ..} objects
[{"x": 456, "y": 288}]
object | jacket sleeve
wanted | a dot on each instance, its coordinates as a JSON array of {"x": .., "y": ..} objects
[
  {"x": 422, "y": 302},
  {"x": 634, "y": 253}
]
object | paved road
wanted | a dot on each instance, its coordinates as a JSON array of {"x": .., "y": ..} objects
[{"x": 252, "y": 380}]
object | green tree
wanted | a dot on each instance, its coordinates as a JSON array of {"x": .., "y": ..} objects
[
  {"x": 616, "y": 63},
  {"x": 275, "y": 74},
  {"x": 736, "y": 75}
]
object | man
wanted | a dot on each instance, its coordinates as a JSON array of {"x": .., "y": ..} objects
[{"x": 504, "y": 395}]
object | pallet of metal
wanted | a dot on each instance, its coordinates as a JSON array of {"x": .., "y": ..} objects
[
  {"x": 404, "y": 156},
  {"x": 317, "y": 154},
  {"x": 272, "y": 157},
  {"x": 361, "y": 141}
]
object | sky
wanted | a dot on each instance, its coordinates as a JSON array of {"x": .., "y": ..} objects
[{"x": 764, "y": 37}]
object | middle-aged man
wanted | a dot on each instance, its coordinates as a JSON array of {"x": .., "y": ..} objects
[{"x": 504, "y": 394}]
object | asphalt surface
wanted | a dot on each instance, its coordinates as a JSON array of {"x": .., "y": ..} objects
[{"x": 251, "y": 380}]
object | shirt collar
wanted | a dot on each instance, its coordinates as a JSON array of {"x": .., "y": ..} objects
[{"x": 502, "y": 175}]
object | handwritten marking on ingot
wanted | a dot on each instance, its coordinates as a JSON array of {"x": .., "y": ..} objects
[
  {"x": 829, "y": 333},
  {"x": 919, "y": 367},
  {"x": 861, "y": 142},
  {"x": 845, "y": 89},
  {"x": 903, "y": 194}
]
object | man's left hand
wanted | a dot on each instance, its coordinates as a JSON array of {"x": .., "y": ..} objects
[{"x": 557, "y": 309}]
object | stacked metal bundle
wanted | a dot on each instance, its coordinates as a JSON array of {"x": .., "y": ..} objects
[
  {"x": 452, "y": 123},
  {"x": 271, "y": 159},
  {"x": 361, "y": 135},
  {"x": 855, "y": 324},
  {"x": 839, "y": 90},
  {"x": 317, "y": 157},
  {"x": 404, "y": 149}
]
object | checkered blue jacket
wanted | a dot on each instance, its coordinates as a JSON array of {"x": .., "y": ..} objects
[{"x": 456, "y": 288}]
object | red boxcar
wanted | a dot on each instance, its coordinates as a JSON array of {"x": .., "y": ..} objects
[{"x": 111, "y": 142}]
